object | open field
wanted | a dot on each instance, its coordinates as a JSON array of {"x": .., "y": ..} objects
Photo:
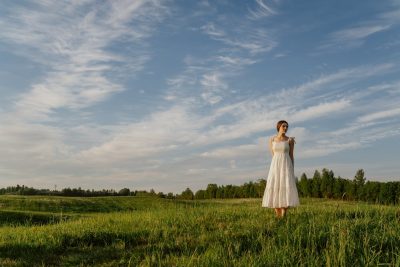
[{"x": 145, "y": 231}]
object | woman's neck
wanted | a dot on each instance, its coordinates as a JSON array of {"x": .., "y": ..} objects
[{"x": 280, "y": 135}]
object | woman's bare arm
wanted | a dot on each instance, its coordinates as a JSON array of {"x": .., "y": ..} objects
[
  {"x": 270, "y": 146},
  {"x": 291, "y": 145}
]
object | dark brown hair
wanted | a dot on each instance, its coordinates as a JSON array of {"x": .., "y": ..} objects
[{"x": 278, "y": 125}]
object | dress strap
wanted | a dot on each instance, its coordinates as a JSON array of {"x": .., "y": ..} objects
[{"x": 292, "y": 139}]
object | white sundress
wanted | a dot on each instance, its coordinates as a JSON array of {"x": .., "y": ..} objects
[{"x": 281, "y": 190}]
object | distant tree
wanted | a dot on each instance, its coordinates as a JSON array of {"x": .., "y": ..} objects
[
  {"x": 349, "y": 190},
  {"x": 359, "y": 178},
  {"x": 327, "y": 183},
  {"x": 212, "y": 190},
  {"x": 392, "y": 190},
  {"x": 187, "y": 194},
  {"x": 249, "y": 190},
  {"x": 359, "y": 181},
  {"x": 385, "y": 193},
  {"x": 220, "y": 192},
  {"x": 161, "y": 195},
  {"x": 143, "y": 193},
  {"x": 397, "y": 200},
  {"x": 303, "y": 186},
  {"x": 260, "y": 187},
  {"x": 170, "y": 195},
  {"x": 331, "y": 183},
  {"x": 30, "y": 191},
  {"x": 371, "y": 191},
  {"x": 338, "y": 188},
  {"x": 316, "y": 184},
  {"x": 200, "y": 194},
  {"x": 124, "y": 192},
  {"x": 229, "y": 191}
]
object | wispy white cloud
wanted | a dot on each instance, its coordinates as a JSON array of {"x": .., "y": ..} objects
[
  {"x": 239, "y": 47},
  {"x": 279, "y": 55},
  {"x": 254, "y": 41},
  {"x": 63, "y": 89},
  {"x": 30, "y": 147},
  {"x": 212, "y": 31},
  {"x": 391, "y": 88},
  {"x": 262, "y": 10},
  {"x": 74, "y": 47},
  {"x": 212, "y": 76},
  {"x": 320, "y": 110},
  {"x": 236, "y": 61},
  {"x": 359, "y": 131},
  {"x": 239, "y": 151},
  {"x": 326, "y": 149},
  {"x": 251, "y": 117},
  {"x": 162, "y": 132},
  {"x": 251, "y": 40},
  {"x": 379, "y": 115},
  {"x": 356, "y": 35},
  {"x": 212, "y": 84},
  {"x": 340, "y": 78},
  {"x": 345, "y": 139}
]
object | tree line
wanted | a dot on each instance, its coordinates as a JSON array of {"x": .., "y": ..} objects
[
  {"x": 323, "y": 184},
  {"x": 74, "y": 192}
]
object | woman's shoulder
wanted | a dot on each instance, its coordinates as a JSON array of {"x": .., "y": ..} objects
[{"x": 292, "y": 140}]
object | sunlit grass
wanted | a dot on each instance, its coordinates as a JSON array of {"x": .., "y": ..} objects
[{"x": 208, "y": 233}]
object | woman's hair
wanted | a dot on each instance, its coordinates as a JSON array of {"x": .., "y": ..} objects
[{"x": 278, "y": 125}]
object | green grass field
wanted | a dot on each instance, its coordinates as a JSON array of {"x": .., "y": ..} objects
[{"x": 145, "y": 231}]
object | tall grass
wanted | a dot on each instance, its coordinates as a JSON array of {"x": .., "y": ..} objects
[{"x": 210, "y": 233}]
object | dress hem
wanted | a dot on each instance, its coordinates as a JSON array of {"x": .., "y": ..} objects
[{"x": 289, "y": 206}]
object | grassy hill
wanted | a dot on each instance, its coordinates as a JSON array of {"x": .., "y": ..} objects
[{"x": 146, "y": 231}]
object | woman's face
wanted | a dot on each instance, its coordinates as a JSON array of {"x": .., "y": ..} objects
[{"x": 284, "y": 127}]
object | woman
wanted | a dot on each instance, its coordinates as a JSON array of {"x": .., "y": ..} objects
[{"x": 281, "y": 192}]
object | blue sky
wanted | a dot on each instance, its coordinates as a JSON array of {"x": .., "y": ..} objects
[{"x": 175, "y": 94}]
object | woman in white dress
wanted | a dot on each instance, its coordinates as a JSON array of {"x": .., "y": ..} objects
[{"x": 281, "y": 191}]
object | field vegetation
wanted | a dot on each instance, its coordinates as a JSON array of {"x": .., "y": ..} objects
[{"x": 152, "y": 231}]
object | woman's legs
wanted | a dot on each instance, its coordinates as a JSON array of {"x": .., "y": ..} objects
[
  {"x": 278, "y": 212},
  {"x": 281, "y": 212}
]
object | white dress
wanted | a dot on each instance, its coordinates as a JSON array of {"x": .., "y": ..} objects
[{"x": 281, "y": 190}]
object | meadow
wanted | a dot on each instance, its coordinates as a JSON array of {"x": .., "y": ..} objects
[{"x": 150, "y": 231}]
